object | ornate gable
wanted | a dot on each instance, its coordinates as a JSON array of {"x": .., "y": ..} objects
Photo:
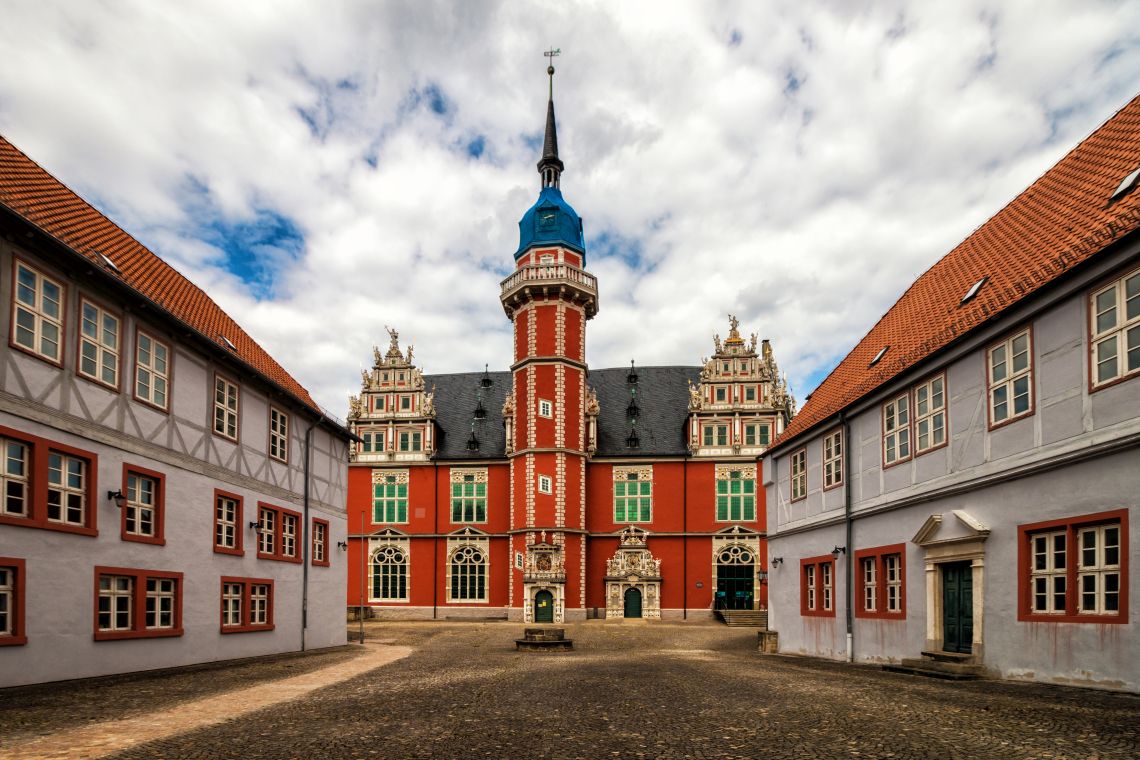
[
  {"x": 394, "y": 414},
  {"x": 741, "y": 402}
]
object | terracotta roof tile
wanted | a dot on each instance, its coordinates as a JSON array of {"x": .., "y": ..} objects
[
  {"x": 34, "y": 194},
  {"x": 1062, "y": 219}
]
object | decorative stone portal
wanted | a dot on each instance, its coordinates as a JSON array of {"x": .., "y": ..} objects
[
  {"x": 633, "y": 578},
  {"x": 736, "y": 568},
  {"x": 544, "y": 583},
  {"x": 954, "y": 560}
]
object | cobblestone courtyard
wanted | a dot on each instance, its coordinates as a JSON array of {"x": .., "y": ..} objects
[{"x": 649, "y": 690}]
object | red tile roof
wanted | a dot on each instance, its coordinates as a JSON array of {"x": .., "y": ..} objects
[
  {"x": 1061, "y": 220},
  {"x": 34, "y": 194}
]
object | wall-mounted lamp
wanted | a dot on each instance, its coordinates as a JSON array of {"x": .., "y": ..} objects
[
  {"x": 761, "y": 576},
  {"x": 253, "y": 525},
  {"x": 777, "y": 561},
  {"x": 838, "y": 550},
  {"x": 342, "y": 545},
  {"x": 117, "y": 497}
]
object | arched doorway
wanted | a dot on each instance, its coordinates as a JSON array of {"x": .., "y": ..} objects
[
  {"x": 544, "y": 607},
  {"x": 735, "y": 578},
  {"x": 632, "y": 603}
]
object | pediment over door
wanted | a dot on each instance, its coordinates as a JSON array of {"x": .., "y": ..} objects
[{"x": 964, "y": 528}]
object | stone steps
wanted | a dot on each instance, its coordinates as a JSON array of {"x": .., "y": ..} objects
[
  {"x": 945, "y": 665},
  {"x": 750, "y": 618}
]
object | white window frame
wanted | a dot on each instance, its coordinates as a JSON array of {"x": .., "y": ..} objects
[
  {"x": 896, "y": 431},
  {"x": 233, "y": 594},
  {"x": 43, "y": 311},
  {"x": 892, "y": 570},
  {"x": 1003, "y": 378},
  {"x": 467, "y": 578},
  {"x": 1047, "y": 577},
  {"x": 288, "y": 534},
  {"x": 142, "y": 502},
  {"x": 320, "y": 538},
  {"x": 260, "y": 595},
  {"x": 1116, "y": 336},
  {"x": 870, "y": 570},
  {"x": 227, "y": 401},
  {"x": 641, "y": 476},
  {"x": 930, "y": 415},
  {"x": 8, "y": 600},
  {"x": 226, "y": 517},
  {"x": 810, "y": 581},
  {"x": 827, "y": 585},
  {"x": 65, "y": 489},
  {"x": 545, "y": 408},
  {"x": 396, "y": 557},
  {"x": 799, "y": 474},
  {"x": 545, "y": 484},
  {"x": 111, "y": 589},
  {"x": 267, "y": 530},
  {"x": 100, "y": 334},
  {"x": 1095, "y": 569},
  {"x": 161, "y": 598},
  {"x": 278, "y": 434},
  {"x": 15, "y": 479},
  {"x": 152, "y": 371},
  {"x": 833, "y": 459}
]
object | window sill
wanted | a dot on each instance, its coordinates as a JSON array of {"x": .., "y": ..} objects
[
  {"x": 864, "y": 615},
  {"x": 279, "y": 558},
  {"x": 237, "y": 552},
  {"x": 246, "y": 628},
  {"x": 13, "y": 641},
  {"x": 322, "y": 563},
  {"x": 818, "y": 613},
  {"x": 27, "y": 522},
  {"x": 164, "y": 633},
  {"x": 1036, "y": 617},
  {"x": 136, "y": 539}
]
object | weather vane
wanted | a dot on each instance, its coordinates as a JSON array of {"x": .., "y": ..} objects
[{"x": 550, "y": 68}]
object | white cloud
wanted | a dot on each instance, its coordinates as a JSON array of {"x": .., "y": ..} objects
[{"x": 796, "y": 165}]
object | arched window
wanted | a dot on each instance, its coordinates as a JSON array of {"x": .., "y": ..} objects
[
  {"x": 734, "y": 555},
  {"x": 390, "y": 574},
  {"x": 468, "y": 575}
]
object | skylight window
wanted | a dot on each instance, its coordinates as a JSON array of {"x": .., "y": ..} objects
[
  {"x": 1125, "y": 185},
  {"x": 879, "y": 356},
  {"x": 229, "y": 343},
  {"x": 973, "y": 291},
  {"x": 110, "y": 264}
]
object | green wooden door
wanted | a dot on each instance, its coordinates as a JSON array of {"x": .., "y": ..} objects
[
  {"x": 957, "y": 607},
  {"x": 544, "y": 607},
  {"x": 632, "y": 603}
]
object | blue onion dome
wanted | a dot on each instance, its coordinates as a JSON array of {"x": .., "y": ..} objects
[{"x": 551, "y": 221}]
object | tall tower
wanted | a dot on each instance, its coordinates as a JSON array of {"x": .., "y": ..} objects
[{"x": 548, "y": 297}]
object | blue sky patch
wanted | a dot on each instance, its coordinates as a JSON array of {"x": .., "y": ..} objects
[
  {"x": 257, "y": 248},
  {"x": 609, "y": 243}
]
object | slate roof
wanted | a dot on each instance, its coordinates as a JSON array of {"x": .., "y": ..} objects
[
  {"x": 1061, "y": 220},
  {"x": 662, "y": 395},
  {"x": 30, "y": 192}
]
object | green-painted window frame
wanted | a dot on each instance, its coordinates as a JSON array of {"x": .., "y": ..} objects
[
  {"x": 390, "y": 501},
  {"x": 735, "y": 498},
  {"x": 469, "y": 501},
  {"x": 633, "y": 501}
]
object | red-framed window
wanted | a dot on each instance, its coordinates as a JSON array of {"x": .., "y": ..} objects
[
  {"x": 228, "y": 523},
  {"x": 896, "y": 430},
  {"x": 12, "y": 602},
  {"x": 320, "y": 550},
  {"x": 137, "y": 604},
  {"x": 1074, "y": 570},
  {"x": 881, "y": 574},
  {"x": 246, "y": 604},
  {"x": 817, "y": 586},
  {"x": 143, "y": 505},
  {"x": 46, "y": 484},
  {"x": 278, "y": 533},
  {"x": 1114, "y": 331}
]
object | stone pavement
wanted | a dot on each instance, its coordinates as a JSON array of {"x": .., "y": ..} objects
[{"x": 653, "y": 690}]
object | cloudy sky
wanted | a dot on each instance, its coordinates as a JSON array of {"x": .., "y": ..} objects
[{"x": 325, "y": 169}]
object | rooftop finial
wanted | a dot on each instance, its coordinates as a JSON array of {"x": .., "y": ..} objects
[
  {"x": 550, "y": 67},
  {"x": 549, "y": 166}
]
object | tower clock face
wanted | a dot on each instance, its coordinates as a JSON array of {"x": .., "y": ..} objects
[{"x": 547, "y": 219}]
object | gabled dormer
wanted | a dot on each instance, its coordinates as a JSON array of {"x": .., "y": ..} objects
[
  {"x": 741, "y": 402},
  {"x": 394, "y": 413}
]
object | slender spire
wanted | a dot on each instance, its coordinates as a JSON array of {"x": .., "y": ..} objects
[{"x": 550, "y": 166}]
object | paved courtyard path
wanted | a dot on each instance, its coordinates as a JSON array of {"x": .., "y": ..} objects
[{"x": 650, "y": 690}]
